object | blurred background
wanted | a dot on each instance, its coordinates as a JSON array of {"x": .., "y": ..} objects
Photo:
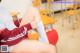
[{"x": 65, "y": 12}]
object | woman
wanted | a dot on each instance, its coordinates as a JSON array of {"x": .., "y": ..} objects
[{"x": 15, "y": 37}]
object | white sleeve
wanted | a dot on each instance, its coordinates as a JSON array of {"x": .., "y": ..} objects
[
  {"x": 40, "y": 27},
  {"x": 41, "y": 30}
]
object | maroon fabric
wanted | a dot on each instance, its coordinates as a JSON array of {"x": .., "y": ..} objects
[
  {"x": 6, "y": 34},
  {"x": 16, "y": 22}
]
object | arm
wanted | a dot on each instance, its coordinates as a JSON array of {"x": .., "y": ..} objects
[
  {"x": 11, "y": 37},
  {"x": 34, "y": 18}
]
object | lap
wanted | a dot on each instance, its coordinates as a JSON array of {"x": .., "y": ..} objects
[{"x": 33, "y": 46}]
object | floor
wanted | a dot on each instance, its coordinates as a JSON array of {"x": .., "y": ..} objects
[{"x": 69, "y": 33}]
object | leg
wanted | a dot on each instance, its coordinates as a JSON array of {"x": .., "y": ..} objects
[{"x": 32, "y": 46}]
